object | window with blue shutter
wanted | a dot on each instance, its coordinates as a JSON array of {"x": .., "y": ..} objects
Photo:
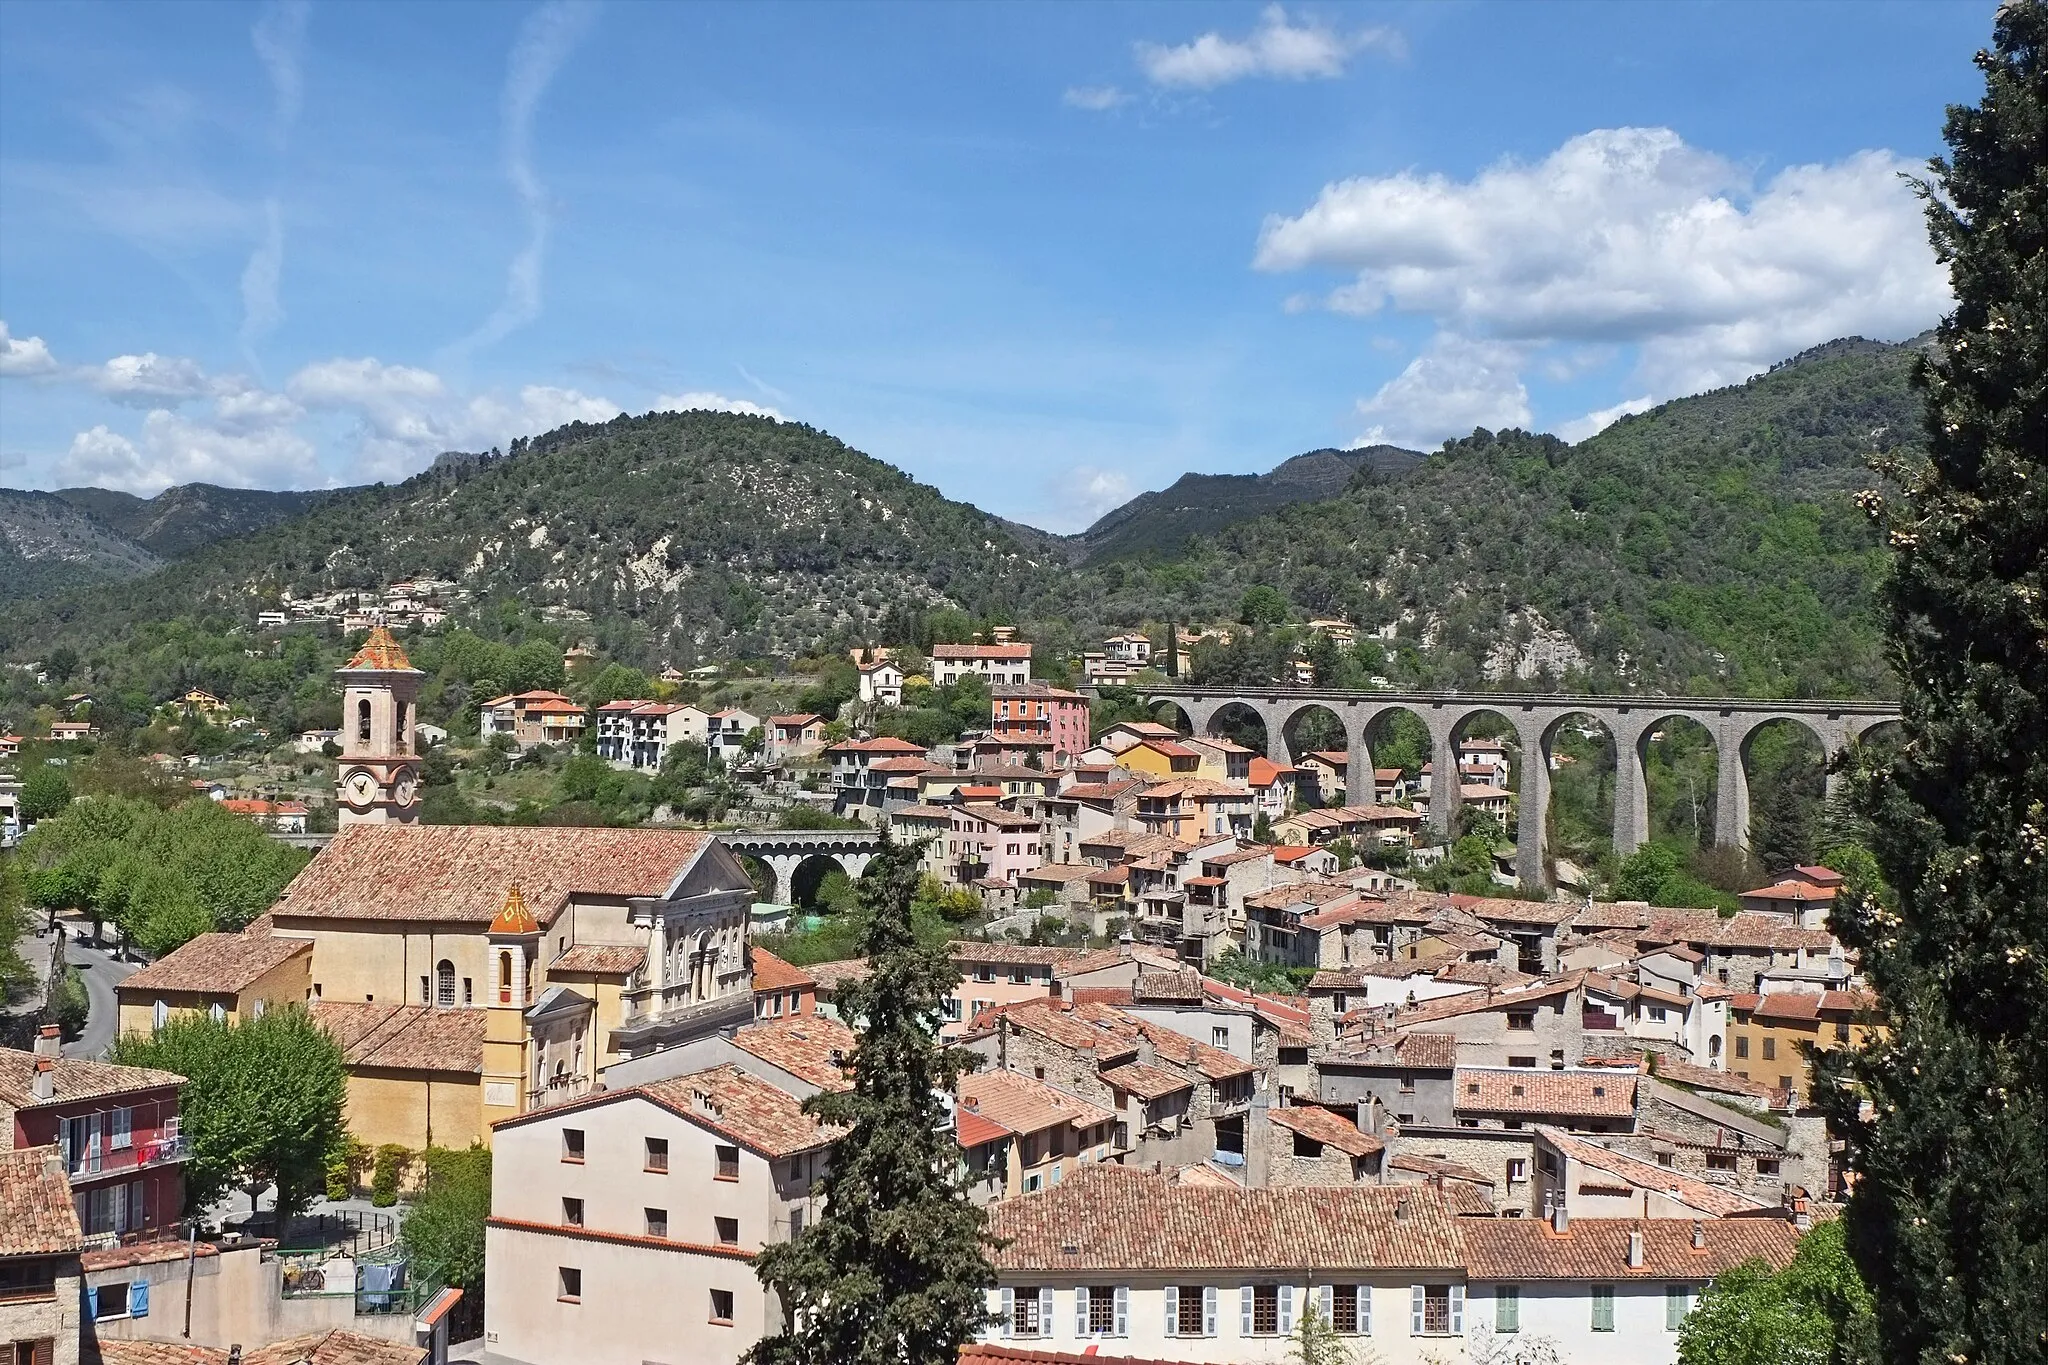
[{"x": 138, "y": 1299}]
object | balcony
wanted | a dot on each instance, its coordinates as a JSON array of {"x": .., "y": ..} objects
[{"x": 140, "y": 1155}]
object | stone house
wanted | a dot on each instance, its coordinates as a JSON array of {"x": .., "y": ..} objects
[{"x": 40, "y": 1242}]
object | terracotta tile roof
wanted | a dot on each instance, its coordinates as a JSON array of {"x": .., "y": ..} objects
[
  {"x": 961, "y": 652},
  {"x": 1421, "y": 1051},
  {"x": 144, "y": 1253},
  {"x": 381, "y": 652},
  {"x": 73, "y": 1078},
  {"x": 972, "y": 1130},
  {"x": 831, "y": 975},
  {"x": 1749, "y": 930},
  {"x": 1168, "y": 987},
  {"x": 335, "y": 1347},
  {"x": 1523, "y": 1090},
  {"x": 771, "y": 973},
  {"x": 1093, "y": 960},
  {"x": 1012, "y": 954},
  {"x": 1795, "y": 891},
  {"x": 112, "y": 1351},
  {"x": 1500, "y": 909},
  {"x": 1034, "y": 689},
  {"x": 514, "y": 918},
  {"x": 884, "y": 745},
  {"x": 1170, "y": 1046},
  {"x": 458, "y": 873},
  {"x": 1713, "y": 1200},
  {"x": 1800, "y": 1006},
  {"x": 1097, "y": 791},
  {"x": 1057, "y": 874},
  {"x": 1023, "y": 1104},
  {"x": 1293, "y": 853},
  {"x": 1298, "y": 893},
  {"x": 1265, "y": 772},
  {"x": 800, "y": 720},
  {"x": 1108, "y": 1218},
  {"x": 1472, "y": 1002},
  {"x": 744, "y": 1108},
  {"x": 1332, "y": 1130},
  {"x": 1169, "y": 748},
  {"x": 216, "y": 962},
  {"x": 404, "y": 1037},
  {"x": 803, "y": 1045},
  {"x": 36, "y": 1217},
  {"x": 1526, "y": 1249},
  {"x": 1146, "y": 1082},
  {"x": 1436, "y": 1165},
  {"x": 600, "y": 959}
]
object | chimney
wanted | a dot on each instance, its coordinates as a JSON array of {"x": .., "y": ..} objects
[
  {"x": 45, "y": 1083},
  {"x": 1635, "y": 1248},
  {"x": 1560, "y": 1217},
  {"x": 235, "y": 1354},
  {"x": 1401, "y": 1208},
  {"x": 47, "y": 1044},
  {"x": 1699, "y": 1235}
]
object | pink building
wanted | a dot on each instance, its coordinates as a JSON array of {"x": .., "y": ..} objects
[{"x": 1039, "y": 711}]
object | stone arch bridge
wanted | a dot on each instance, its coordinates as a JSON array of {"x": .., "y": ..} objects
[
  {"x": 1732, "y": 721},
  {"x": 783, "y": 851}
]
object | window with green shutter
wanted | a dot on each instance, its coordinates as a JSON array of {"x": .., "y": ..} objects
[
  {"x": 1507, "y": 1308},
  {"x": 1677, "y": 1303},
  {"x": 1603, "y": 1308}
]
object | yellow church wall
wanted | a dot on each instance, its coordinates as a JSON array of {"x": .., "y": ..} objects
[
  {"x": 382, "y": 960},
  {"x": 415, "y": 1109}
]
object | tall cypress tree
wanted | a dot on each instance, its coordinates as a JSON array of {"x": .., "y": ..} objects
[
  {"x": 896, "y": 1271},
  {"x": 1949, "y": 1216}
]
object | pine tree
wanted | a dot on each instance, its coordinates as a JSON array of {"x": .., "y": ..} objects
[
  {"x": 1949, "y": 1214},
  {"x": 896, "y": 1271}
]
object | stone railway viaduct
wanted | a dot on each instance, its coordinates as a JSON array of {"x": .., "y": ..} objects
[{"x": 1732, "y": 722}]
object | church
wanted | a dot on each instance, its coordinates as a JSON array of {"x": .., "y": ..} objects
[{"x": 475, "y": 972}]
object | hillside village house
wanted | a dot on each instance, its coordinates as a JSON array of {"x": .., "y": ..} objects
[
  {"x": 788, "y": 738},
  {"x": 1804, "y": 896},
  {"x": 115, "y": 1130},
  {"x": 637, "y": 735},
  {"x": 530, "y": 718},
  {"x": 65, "y": 731},
  {"x": 629, "y": 1219},
  {"x": 725, "y": 733},
  {"x": 995, "y": 664},
  {"x": 222, "y": 975},
  {"x": 1775, "y": 1038},
  {"x": 1037, "y": 711},
  {"x": 881, "y": 682},
  {"x": 40, "y": 1242},
  {"x": 860, "y": 784},
  {"x": 281, "y": 817},
  {"x": 1019, "y": 1135}
]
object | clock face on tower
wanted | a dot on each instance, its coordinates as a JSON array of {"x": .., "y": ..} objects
[
  {"x": 359, "y": 788},
  {"x": 403, "y": 792}
]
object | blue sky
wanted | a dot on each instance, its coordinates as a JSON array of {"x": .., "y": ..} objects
[{"x": 1041, "y": 256}]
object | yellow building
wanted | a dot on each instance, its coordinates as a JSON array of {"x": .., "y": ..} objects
[
  {"x": 1019, "y": 1135},
  {"x": 225, "y": 975},
  {"x": 1773, "y": 1038},
  {"x": 1161, "y": 758}
]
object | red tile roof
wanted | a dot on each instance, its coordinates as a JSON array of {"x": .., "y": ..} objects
[
  {"x": 381, "y": 652},
  {"x": 458, "y": 873},
  {"x": 404, "y": 1037},
  {"x": 804, "y": 1045},
  {"x": 73, "y": 1078},
  {"x": 36, "y": 1217},
  {"x": 962, "y": 652},
  {"x": 1713, "y": 1200},
  {"x": 600, "y": 959},
  {"x": 1108, "y": 1218},
  {"x": 1332, "y": 1130},
  {"x": 1146, "y": 1082},
  {"x": 744, "y": 1108},
  {"x": 1523, "y": 1090},
  {"x": 771, "y": 973},
  {"x": 216, "y": 962},
  {"x": 1526, "y": 1249},
  {"x": 1023, "y": 1104}
]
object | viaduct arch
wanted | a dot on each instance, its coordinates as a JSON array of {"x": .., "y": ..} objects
[
  {"x": 1630, "y": 719},
  {"x": 783, "y": 851}
]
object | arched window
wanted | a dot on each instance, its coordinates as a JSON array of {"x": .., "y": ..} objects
[
  {"x": 504, "y": 978},
  {"x": 444, "y": 984},
  {"x": 404, "y": 730},
  {"x": 363, "y": 721},
  {"x": 1714, "y": 1046}
]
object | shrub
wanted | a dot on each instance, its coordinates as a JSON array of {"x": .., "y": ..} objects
[{"x": 392, "y": 1161}]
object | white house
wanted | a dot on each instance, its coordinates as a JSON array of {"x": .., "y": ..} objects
[{"x": 997, "y": 664}]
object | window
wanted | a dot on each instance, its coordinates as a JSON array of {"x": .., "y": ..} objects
[
  {"x": 721, "y": 1307},
  {"x": 468, "y": 991},
  {"x": 728, "y": 1162},
  {"x": 572, "y": 1144},
  {"x": 1020, "y": 976},
  {"x": 426, "y": 990},
  {"x": 984, "y": 973},
  {"x": 1677, "y": 1303},
  {"x": 1521, "y": 1021},
  {"x": 444, "y": 984},
  {"x": 657, "y": 1222},
  {"x": 1767, "y": 1165},
  {"x": 1219, "y": 1037},
  {"x": 728, "y": 1230},
  {"x": 1190, "y": 1310},
  {"x": 1307, "y": 1147},
  {"x": 1603, "y": 1307},
  {"x": 1266, "y": 1310},
  {"x": 1349, "y": 1308},
  {"x": 1407, "y": 1083},
  {"x": 1720, "y": 1161},
  {"x": 1518, "y": 1169},
  {"x": 1526, "y": 1063},
  {"x": 1770, "y": 1049},
  {"x": 568, "y": 1284},
  {"x": 120, "y": 1128},
  {"x": 1657, "y": 1013},
  {"x": 1030, "y": 1312},
  {"x": 796, "y": 1002},
  {"x": 572, "y": 1212},
  {"x": 363, "y": 721},
  {"x": 953, "y": 1008},
  {"x": 1294, "y": 1056},
  {"x": 1100, "y": 1311},
  {"x": 657, "y": 1154},
  {"x": 1436, "y": 1310},
  {"x": 1033, "y": 1183},
  {"x": 1741, "y": 1045},
  {"x": 1507, "y": 1308}
]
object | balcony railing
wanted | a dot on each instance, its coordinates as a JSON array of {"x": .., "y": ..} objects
[{"x": 137, "y": 1156}]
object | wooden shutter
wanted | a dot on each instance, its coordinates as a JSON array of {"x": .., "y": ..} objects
[
  {"x": 1045, "y": 1311},
  {"x": 1286, "y": 1310},
  {"x": 1172, "y": 1310},
  {"x": 1364, "y": 1292},
  {"x": 1457, "y": 1310},
  {"x": 1244, "y": 1302},
  {"x": 1009, "y": 1309},
  {"x": 1209, "y": 1310},
  {"x": 1081, "y": 1311},
  {"x": 1123, "y": 1310},
  {"x": 1417, "y": 1295},
  {"x": 1326, "y": 1300}
]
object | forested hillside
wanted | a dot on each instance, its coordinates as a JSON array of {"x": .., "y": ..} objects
[
  {"x": 179, "y": 520},
  {"x": 1708, "y": 545},
  {"x": 48, "y": 544}
]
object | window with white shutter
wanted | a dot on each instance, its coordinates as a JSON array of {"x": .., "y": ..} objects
[
  {"x": 1457, "y": 1310},
  {"x": 121, "y": 1127},
  {"x": 1209, "y": 1313},
  {"x": 1081, "y": 1311},
  {"x": 1245, "y": 1300},
  {"x": 1009, "y": 1309},
  {"x": 1045, "y": 1312},
  {"x": 1122, "y": 1305},
  {"x": 1417, "y": 1296},
  {"x": 1173, "y": 1310},
  {"x": 1286, "y": 1310}
]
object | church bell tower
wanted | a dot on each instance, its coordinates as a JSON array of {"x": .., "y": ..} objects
[{"x": 378, "y": 777}]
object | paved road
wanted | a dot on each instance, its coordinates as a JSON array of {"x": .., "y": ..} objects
[{"x": 101, "y": 972}]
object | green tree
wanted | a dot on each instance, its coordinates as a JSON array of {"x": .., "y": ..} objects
[
  {"x": 1816, "y": 1311},
  {"x": 897, "y": 1269},
  {"x": 1949, "y": 1215},
  {"x": 1262, "y": 605},
  {"x": 1316, "y": 1342},
  {"x": 262, "y": 1103},
  {"x": 616, "y": 682},
  {"x": 44, "y": 793},
  {"x": 444, "y": 1230}
]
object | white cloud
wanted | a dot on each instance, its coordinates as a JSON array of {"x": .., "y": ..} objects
[
  {"x": 1093, "y": 97},
  {"x": 491, "y": 421},
  {"x": 1308, "y": 50},
  {"x": 1579, "y": 428},
  {"x": 21, "y": 357},
  {"x": 174, "y": 450},
  {"x": 149, "y": 379},
  {"x": 251, "y": 408},
  {"x": 261, "y": 308},
  {"x": 1629, "y": 235},
  {"x": 279, "y": 37},
  {"x": 713, "y": 402},
  {"x": 365, "y": 381},
  {"x": 1456, "y": 384},
  {"x": 546, "y": 39}
]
